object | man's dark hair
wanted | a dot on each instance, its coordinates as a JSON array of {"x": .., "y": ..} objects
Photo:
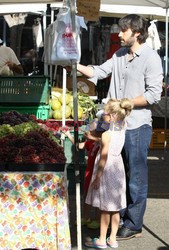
[{"x": 137, "y": 24}]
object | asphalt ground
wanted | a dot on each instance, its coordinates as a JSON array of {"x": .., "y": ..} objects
[{"x": 155, "y": 234}]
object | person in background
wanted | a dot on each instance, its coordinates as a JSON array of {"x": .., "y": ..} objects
[
  {"x": 107, "y": 190},
  {"x": 8, "y": 58},
  {"x": 136, "y": 73}
]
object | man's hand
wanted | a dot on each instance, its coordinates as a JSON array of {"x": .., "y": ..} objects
[
  {"x": 10, "y": 65},
  {"x": 68, "y": 68},
  {"x": 15, "y": 68}
]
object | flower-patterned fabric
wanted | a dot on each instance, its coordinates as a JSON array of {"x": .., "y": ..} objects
[{"x": 33, "y": 211}]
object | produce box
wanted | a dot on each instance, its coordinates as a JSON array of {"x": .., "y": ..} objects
[
  {"x": 40, "y": 111},
  {"x": 24, "y": 89},
  {"x": 158, "y": 137},
  {"x": 68, "y": 122},
  {"x": 84, "y": 85},
  {"x": 34, "y": 210}
]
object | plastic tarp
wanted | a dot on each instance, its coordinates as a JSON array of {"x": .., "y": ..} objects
[
  {"x": 26, "y": 1},
  {"x": 117, "y": 8},
  {"x": 21, "y": 8}
]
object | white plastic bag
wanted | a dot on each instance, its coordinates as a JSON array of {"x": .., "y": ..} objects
[
  {"x": 5, "y": 71},
  {"x": 64, "y": 47}
]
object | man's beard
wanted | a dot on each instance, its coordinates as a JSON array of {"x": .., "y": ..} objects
[{"x": 129, "y": 43}]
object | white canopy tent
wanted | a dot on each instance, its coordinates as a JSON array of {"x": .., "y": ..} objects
[
  {"x": 18, "y": 8},
  {"x": 25, "y": 1}
]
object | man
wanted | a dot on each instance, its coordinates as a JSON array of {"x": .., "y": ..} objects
[
  {"x": 8, "y": 57},
  {"x": 136, "y": 73}
]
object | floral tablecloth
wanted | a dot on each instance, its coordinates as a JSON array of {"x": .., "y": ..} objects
[{"x": 33, "y": 211}]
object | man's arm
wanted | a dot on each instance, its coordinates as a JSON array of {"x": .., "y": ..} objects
[
  {"x": 15, "y": 68},
  {"x": 139, "y": 101},
  {"x": 85, "y": 70},
  {"x": 13, "y": 62}
]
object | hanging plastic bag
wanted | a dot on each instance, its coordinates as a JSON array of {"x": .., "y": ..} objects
[
  {"x": 65, "y": 46},
  {"x": 5, "y": 71}
]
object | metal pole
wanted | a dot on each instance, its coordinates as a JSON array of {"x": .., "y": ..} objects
[
  {"x": 64, "y": 97},
  {"x": 51, "y": 66},
  {"x": 166, "y": 81},
  {"x": 44, "y": 30},
  {"x": 4, "y": 32},
  {"x": 76, "y": 162}
]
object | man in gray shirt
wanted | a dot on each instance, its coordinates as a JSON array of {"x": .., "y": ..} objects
[{"x": 136, "y": 73}]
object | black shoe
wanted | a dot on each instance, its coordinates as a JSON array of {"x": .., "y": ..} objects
[{"x": 125, "y": 233}]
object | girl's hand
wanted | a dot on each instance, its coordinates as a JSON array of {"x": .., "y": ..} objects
[
  {"x": 96, "y": 183},
  {"x": 88, "y": 135},
  {"x": 65, "y": 130}
]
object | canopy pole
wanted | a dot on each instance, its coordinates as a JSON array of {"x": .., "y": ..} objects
[
  {"x": 76, "y": 161},
  {"x": 166, "y": 81},
  {"x": 44, "y": 32},
  {"x": 64, "y": 97},
  {"x": 4, "y": 32}
]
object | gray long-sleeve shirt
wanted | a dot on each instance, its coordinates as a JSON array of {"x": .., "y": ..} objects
[{"x": 140, "y": 76}]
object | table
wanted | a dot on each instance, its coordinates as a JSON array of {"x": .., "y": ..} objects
[{"x": 34, "y": 211}]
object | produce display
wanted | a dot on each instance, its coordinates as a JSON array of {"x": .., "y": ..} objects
[
  {"x": 27, "y": 142},
  {"x": 14, "y": 118},
  {"x": 86, "y": 107}
]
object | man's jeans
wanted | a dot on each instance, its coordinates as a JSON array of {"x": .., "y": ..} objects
[{"x": 135, "y": 159}]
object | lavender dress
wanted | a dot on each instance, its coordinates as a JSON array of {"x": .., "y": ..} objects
[{"x": 111, "y": 194}]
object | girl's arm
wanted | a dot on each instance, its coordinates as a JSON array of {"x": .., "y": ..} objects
[
  {"x": 103, "y": 158},
  {"x": 89, "y": 136},
  {"x": 81, "y": 145},
  {"x": 69, "y": 136}
]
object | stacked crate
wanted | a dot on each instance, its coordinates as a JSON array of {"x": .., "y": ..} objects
[
  {"x": 25, "y": 94},
  {"x": 158, "y": 138}
]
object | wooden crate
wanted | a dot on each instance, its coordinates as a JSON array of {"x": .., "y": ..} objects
[
  {"x": 92, "y": 87},
  {"x": 158, "y": 137}
]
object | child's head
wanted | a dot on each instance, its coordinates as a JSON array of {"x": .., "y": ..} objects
[
  {"x": 96, "y": 127},
  {"x": 117, "y": 109},
  {"x": 91, "y": 126}
]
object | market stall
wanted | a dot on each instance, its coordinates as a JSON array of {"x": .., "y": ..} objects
[
  {"x": 58, "y": 235},
  {"x": 33, "y": 185},
  {"x": 33, "y": 207}
]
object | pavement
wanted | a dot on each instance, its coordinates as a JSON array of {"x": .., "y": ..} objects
[{"x": 155, "y": 234}]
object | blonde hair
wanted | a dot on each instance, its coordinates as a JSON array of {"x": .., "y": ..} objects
[{"x": 121, "y": 108}]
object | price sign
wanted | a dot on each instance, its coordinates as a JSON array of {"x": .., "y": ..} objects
[{"x": 88, "y": 9}]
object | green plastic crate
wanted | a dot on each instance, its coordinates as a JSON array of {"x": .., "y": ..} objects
[
  {"x": 24, "y": 89},
  {"x": 69, "y": 150},
  {"x": 40, "y": 111}
]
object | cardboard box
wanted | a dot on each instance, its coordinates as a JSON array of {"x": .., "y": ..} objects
[
  {"x": 81, "y": 80},
  {"x": 158, "y": 137}
]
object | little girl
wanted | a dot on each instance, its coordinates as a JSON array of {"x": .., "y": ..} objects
[{"x": 107, "y": 189}]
